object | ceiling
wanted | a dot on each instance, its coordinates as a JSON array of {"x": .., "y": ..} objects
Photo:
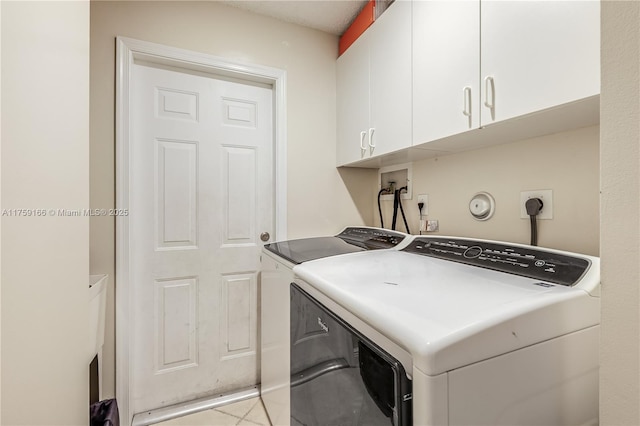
[{"x": 331, "y": 16}]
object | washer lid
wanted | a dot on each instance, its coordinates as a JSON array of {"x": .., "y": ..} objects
[
  {"x": 350, "y": 240},
  {"x": 448, "y": 314}
]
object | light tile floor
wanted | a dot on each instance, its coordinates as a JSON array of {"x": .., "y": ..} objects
[{"x": 249, "y": 412}]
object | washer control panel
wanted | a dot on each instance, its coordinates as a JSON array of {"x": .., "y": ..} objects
[
  {"x": 528, "y": 262},
  {"x": 372, "y": 237}
]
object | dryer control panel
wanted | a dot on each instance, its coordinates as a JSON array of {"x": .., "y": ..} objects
[
  {"x": 371, "y": 238},
  {"x": 528, "y": 262}
]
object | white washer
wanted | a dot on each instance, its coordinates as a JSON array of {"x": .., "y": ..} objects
[
  {"x": 490, "y": 333},
  {"x": 278, "y": 259}
]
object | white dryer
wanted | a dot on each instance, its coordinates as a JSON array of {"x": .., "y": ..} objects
[
  {"x": 484, "y": 332},
  {"x": 278, "y": 258}
]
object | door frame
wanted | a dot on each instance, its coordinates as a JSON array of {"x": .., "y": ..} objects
[{"x": 128, "y": 51}]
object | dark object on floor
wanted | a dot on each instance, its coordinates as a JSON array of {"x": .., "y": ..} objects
[
  {"x": 104, "y": 413},
  {"x": 94, "y": 385}
]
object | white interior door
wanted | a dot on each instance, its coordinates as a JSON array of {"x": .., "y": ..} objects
[{"x": 201, "y": 187}]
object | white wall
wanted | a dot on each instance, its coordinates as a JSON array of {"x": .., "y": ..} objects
[
  {"x": 566, "y": 163},
  {"x": 45, "y": 260},
  {"x": 321, "y": 199},
  {"x": 620, "y": 206}
]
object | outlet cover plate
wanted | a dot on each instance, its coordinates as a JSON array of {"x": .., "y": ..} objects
[{"x": 546, "y": 195}]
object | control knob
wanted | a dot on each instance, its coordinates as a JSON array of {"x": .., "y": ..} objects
[{"x": 472, "y": 252}]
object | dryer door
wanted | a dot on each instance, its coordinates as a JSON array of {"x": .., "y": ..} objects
[{"x": 338, "y": 376}]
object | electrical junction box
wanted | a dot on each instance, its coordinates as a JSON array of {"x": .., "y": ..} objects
[{"x": 395, "y": 177}]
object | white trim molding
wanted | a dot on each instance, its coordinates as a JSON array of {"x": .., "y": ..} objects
[{"x": 129, "y": 51}]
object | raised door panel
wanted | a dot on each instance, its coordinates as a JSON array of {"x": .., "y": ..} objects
[
  {"x": 353, "y": 101},
  {"x": 391, "y": 79},
  {"x": 176, "y": 184},
  {"x": 540, "y": 54},
  {"x": 176, "y": 319},
  {"x": 446, "y": 68}
]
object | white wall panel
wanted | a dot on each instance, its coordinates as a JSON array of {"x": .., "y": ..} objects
[
  {"x": 619, "y": 212},
  {"x": 45, "y": 260}
]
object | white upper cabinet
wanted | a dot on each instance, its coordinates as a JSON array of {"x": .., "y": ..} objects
[
  {"x": 374, "y": 89},
  {"x": 390, "y": 72},
  {"x": 537, "y": 55},
  {"x": 353, "y": 102},
  {"x": 480, "y": 62},
  {"x": 429, "y": 73},
  {"x": 446, "y": 66}
]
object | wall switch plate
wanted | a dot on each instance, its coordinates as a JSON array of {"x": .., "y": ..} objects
[
  {"x": 546, "y": 195},
  {"x": 423, "y": 198},
  {"x": 432, "y": 226}
]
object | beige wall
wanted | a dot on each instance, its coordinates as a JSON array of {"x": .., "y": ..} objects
[
  {"x": 0, "y": 220},
  {"x": 620, "y": 242},
  {"x": 318, "y": 199},
  {"x": 45, "y": 260},
  {"x": 566, "y": 163}
]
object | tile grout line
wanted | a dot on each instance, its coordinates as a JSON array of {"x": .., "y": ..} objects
[
  {"x": 227, "y": 414},
  {"x": 249, "y": 411}
]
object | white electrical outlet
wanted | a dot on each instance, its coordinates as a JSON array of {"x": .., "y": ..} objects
[
  {"x": 546, "y": 195},
  {"x": 423, "y": 198}
]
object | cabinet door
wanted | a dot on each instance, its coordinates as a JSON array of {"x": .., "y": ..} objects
[
  {"x": 353, "y": 101},
  {"x": 539, "y": 54},
  {"x": 446, "y": 64},
  {"x": 390, "y": 48}
]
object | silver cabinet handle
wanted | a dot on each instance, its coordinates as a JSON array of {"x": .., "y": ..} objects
[
  {"x": 488, "y": 82},
  {"x": 371, "y": 143},
  {"x": 363, "y": 135},
  {"x": 265, "y": 237},
  {"x": 466, "y": 93}
]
